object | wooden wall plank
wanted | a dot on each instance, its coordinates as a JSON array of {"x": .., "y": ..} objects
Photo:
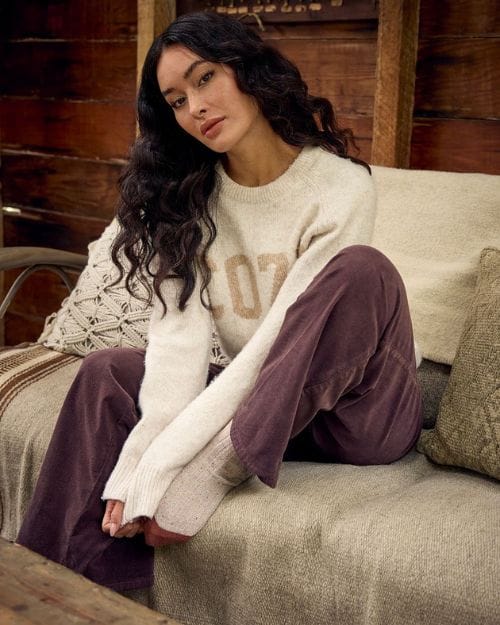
[
  {"x": 74, "y": 186},
  {"x": 456, "y": 145},
  {"x": 28, "y": 300},
  {"x": 69, "y": 69},
  {"x": 364, "y": 30},
  {"x": 48, "y": 229},
  {"x": 349, "y": 81},
  {"x": 362, "y": 130},
  {"x": 458, "y": 80},
  {"x": 153, "y": 16},
  {"x": 26, "y": 316},
  {"x": 395, "y": 82},
  {"x": 459, "y": 18},
  {"x": 88, "y": 19},
  {"x": 86, "y": 129},
  {"x": 67, "y": 119},
  {"x": 22, "y": 328}
]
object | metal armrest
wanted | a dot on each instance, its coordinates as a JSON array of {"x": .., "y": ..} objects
[{"x": 34, "y": 259}]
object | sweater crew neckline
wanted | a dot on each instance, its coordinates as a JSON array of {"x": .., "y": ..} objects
[{"x": 299, "y": 172}]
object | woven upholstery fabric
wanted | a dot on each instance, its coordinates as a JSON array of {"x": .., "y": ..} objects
[
  {"x": 411, "y": 542},
  {"x": 97, "y": 314},
  {"x": 33, "y": 384},
  {"x": 433, "y": 378},
  {"x": 467, "y": 431},
  {"x": 401, "y": 544}
]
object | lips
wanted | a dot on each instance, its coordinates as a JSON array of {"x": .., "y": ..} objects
[{"x": 210, "y": 124}]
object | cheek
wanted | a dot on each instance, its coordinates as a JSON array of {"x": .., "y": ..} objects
[{"x": 185, "y": 122}]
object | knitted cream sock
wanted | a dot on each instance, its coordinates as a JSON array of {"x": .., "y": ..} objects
[{"x": 196, "y": 492}]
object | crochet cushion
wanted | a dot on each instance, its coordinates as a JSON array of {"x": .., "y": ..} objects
[
  {"x": 467, "y": 431},
  {"x": 99, "y": 314}
]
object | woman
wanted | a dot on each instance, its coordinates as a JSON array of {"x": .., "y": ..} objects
[{"x": 239, "y": 191}]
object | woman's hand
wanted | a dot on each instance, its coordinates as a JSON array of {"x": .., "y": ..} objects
[{"x": 113, "y": 518}]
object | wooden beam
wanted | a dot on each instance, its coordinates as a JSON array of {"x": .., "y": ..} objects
[
  {"x": 36, "y": 590},
  {"x": 153, "y": 16},
  {"x": 395, "y": 82}
]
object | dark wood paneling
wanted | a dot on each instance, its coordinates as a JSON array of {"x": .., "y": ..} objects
[
  {"x": 336, "y": 30},
  {"x": 40, "y": 295},
  {"x": 362, "y": 130},
  {"x": 456, "y": 145},
  {"x": 73, "y": 186},
  {"x": 44, "y": 229},
  {"x": 343, "y": 71},
  {"x": 67, "y": 119},
  {"x": 69, "y": 69},
  {"x": 56, "y": 19},
  {"x": 278, "y": 14},
  {"x": 86, "y": 129},
  {"x": 458, "y": 80},
  {"x": 459, "y": 17},
  {"x": 21, "y": 328}
]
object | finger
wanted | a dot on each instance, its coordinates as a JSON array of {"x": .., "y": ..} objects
[
  {"x": 132, "y": 533},
  {"x": 127, "y": 531},
  {"x": 116, "y": 517},
  {"x": 106, "y": 520}
]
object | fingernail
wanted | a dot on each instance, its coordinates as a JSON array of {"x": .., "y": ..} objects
[{"x": 112, "y": 529}]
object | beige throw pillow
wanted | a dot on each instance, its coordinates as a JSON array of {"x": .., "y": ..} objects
[
  {"x": 467, "y": 431},
  {"x": 96, "y": 315}
]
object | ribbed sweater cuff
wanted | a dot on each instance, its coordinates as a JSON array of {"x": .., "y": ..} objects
[
  {"x": 118, "y": 483},
  {"x": 145, "y": 492}
]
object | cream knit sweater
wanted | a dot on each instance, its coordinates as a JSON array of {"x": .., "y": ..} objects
[{"x": 271, "y": 242}]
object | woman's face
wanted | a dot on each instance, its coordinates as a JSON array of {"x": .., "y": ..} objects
[{"x": 206, "y": 100}]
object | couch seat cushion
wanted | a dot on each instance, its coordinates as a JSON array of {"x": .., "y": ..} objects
[{"x": 409, "y": 542}]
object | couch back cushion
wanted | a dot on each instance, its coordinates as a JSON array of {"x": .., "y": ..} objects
[{"x": 433, "y": 226}]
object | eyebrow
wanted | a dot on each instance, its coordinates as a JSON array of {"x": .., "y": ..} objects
[{"x": 186, "y": 74}]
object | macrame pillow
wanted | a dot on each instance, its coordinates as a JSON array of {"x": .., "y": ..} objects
[{"x": 97, "y": 315}]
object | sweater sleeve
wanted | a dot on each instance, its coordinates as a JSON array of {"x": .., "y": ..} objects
[
  {"x": 176, "y": 368},
  {"x": 212, "y": 409}
]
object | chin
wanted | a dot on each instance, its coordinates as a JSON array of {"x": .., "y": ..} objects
[{"x": 222, "y": 143}]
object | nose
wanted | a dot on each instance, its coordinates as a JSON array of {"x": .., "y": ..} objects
[{"x": 197, "y": 106}]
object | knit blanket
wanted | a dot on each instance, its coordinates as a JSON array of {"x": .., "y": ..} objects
[
  {"x": 33, "y": 384},
  {"x": 433, "y": 226},
  {"x": 408, "y": 542}
]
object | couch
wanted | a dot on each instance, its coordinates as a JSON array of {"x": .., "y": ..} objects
[{"x": 416, "y": 541}]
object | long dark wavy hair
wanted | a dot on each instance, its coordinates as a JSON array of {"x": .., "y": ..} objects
[{"x": 166, "y": 186}]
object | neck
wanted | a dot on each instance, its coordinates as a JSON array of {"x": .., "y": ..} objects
[{"x": 258, "y": 165}]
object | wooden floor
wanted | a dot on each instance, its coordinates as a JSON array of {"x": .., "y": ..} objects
[{"x": 36, "y": 591}]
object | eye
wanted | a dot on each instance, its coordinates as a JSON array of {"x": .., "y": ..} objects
[
  {"x": 178, "y": 102},
  {"x": 206, "y": 77}
]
